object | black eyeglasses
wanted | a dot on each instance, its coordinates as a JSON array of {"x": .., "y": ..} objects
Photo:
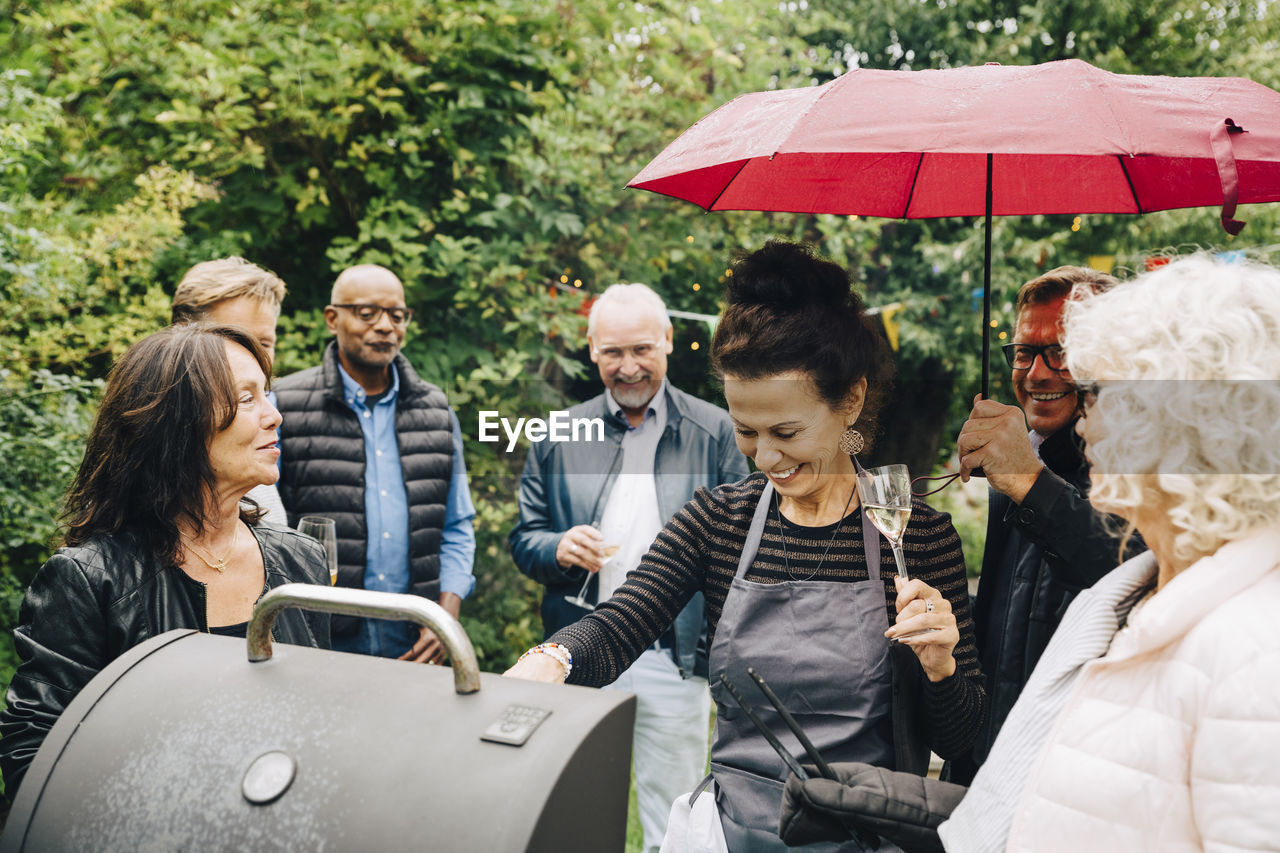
[
  {"x": 1087, "y": 394},
  {"x": 1022, "y": 356},
  {"x": 372, "y": 313}
]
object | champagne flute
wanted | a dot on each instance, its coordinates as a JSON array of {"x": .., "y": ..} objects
[
  {"x": 885, "y": 493},
  {"x": 324, "y": 531},
  {"x": 580, "y": 600}
]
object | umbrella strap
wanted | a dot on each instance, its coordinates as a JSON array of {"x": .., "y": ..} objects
[{"x": 1220, "y": 142}]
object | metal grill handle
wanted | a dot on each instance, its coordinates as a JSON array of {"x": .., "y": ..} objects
[{"x": 366, "y": 604}]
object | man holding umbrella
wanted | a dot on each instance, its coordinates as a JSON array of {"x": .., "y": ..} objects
[{"x": 1044, "y": 541}]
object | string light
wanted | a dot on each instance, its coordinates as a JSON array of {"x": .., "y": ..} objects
[
  {"x": 1003, "y": 335},
  {"x": 564, "y": 279},
  {"x": 693, "y": 346},
  {"x": 728, "y": 273},
  {"x": 995, "y": 323},
  {"x": 689, "y": 239},
  {"x": 577, "y": 282},
  {"x": 1075, "y": 224},
  {"x": 696, "y": 287}
]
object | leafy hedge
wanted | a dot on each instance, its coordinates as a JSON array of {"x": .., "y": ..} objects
[{"x": 478, "y": 149}]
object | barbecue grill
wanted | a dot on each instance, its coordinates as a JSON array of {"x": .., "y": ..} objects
[{"x": 182, "y": 744}]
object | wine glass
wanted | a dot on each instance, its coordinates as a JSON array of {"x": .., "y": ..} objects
[
  {"x": 885, "y": 493},
  {"x": 324, "y": 531},
  {"x": 580, "y": 600}
]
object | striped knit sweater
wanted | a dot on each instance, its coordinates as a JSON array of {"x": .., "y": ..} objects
[{"x": 698, "y": 552}]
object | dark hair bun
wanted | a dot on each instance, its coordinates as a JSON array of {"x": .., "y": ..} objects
[
  {"x": 790, "y": 310},
  {"x": 788, "y": 276}
]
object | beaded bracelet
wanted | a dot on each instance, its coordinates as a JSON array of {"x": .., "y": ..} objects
[{"x": 552, "y": 650}]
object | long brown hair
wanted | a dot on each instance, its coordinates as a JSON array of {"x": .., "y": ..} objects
[{"x": 146, "y": 464}]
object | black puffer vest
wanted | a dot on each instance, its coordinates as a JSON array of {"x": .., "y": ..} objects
[{"x": 323, "y": 466}]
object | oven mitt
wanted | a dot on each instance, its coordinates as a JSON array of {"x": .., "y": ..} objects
[{"x": 901, "y": 807}]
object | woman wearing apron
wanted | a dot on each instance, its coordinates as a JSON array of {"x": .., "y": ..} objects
[{"x": 790, "y": 567}]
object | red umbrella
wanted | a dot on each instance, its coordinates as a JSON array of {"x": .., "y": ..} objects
[{"x": 1063, "y": 137}]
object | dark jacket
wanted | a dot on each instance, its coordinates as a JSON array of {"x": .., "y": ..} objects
[
  {"x": 1038, "y": 556},
  {"x": 323, "y": 468},
  {"x": 568, "y": 483},
  {"x": 91, "y": 603}
]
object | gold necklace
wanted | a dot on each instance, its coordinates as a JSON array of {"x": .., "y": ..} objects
[{"x": 218, "y": 566}]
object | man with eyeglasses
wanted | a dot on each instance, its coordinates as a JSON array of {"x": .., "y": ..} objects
[
  {"x": 589, "y": 510},
  {"x": 368, "y": 443},
  {"x": 1044, "y": 541}
]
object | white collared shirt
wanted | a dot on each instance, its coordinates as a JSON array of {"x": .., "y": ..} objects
[{"x": 631, "y": 518}]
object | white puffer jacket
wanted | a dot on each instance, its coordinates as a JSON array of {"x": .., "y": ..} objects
[{"x": 1171, "y": 741}]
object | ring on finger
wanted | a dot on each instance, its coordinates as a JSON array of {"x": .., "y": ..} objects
[
  {"x": 928, "y": 605},
  {"x": 573, "y": 549}
]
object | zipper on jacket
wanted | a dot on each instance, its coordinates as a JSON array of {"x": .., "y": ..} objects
[{"x": 204, "y": 607}]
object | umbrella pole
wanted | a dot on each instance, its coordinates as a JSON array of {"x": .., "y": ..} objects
[{"x": 986, "y": 294}]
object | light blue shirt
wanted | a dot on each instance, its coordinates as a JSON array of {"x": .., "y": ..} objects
[{"x": 386, "y": 504}]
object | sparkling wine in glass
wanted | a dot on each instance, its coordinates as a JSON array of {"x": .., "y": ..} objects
[
  {"x": 324, "y": 531},
  {"x": 885, "y": 493},
  {"x": 580, "y": 600}
]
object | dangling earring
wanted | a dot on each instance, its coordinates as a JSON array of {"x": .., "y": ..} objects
[{"x": 851, "y": 441}]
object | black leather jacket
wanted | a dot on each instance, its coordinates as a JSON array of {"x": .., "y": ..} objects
[
  {"x": 91, "y": 603},
  {"x": 1038, "y": 556}
]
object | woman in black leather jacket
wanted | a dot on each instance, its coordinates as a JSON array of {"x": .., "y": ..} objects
[{"x": 157, "y": 535}]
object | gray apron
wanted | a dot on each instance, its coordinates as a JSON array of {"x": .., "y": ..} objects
[{"x": 820, "y": 645}]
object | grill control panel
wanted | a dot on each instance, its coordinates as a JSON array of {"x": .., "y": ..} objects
[{"x": 515, "y": 724}]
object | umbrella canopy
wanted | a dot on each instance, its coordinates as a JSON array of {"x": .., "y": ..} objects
[{"x": 1064, "y": 137}]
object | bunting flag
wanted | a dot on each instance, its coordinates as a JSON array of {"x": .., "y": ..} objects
[
  {"x": 1102, "y": 263},
  {"x": 712, "y": 320},
  {"x": 886, "y": 312},
  {"x": 890, "y": 324}
]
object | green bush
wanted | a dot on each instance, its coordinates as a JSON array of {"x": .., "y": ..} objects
[{"x": 479, "y": 149}]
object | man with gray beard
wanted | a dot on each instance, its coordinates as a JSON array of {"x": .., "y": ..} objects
[{"x": 589, "y": 510}]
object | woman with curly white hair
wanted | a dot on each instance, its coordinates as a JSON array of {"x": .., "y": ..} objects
[{"x": 1153, "y": 720}]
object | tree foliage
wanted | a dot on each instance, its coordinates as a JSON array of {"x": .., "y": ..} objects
[{"x": 479, "y": 149}]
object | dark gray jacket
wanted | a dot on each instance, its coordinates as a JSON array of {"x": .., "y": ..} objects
[
  {"x": 1038, "y": 556},
  {"x": 568, "y": 483},
  {"x": 91, "y": 603},
  {"x": 323, "y": 461}
]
